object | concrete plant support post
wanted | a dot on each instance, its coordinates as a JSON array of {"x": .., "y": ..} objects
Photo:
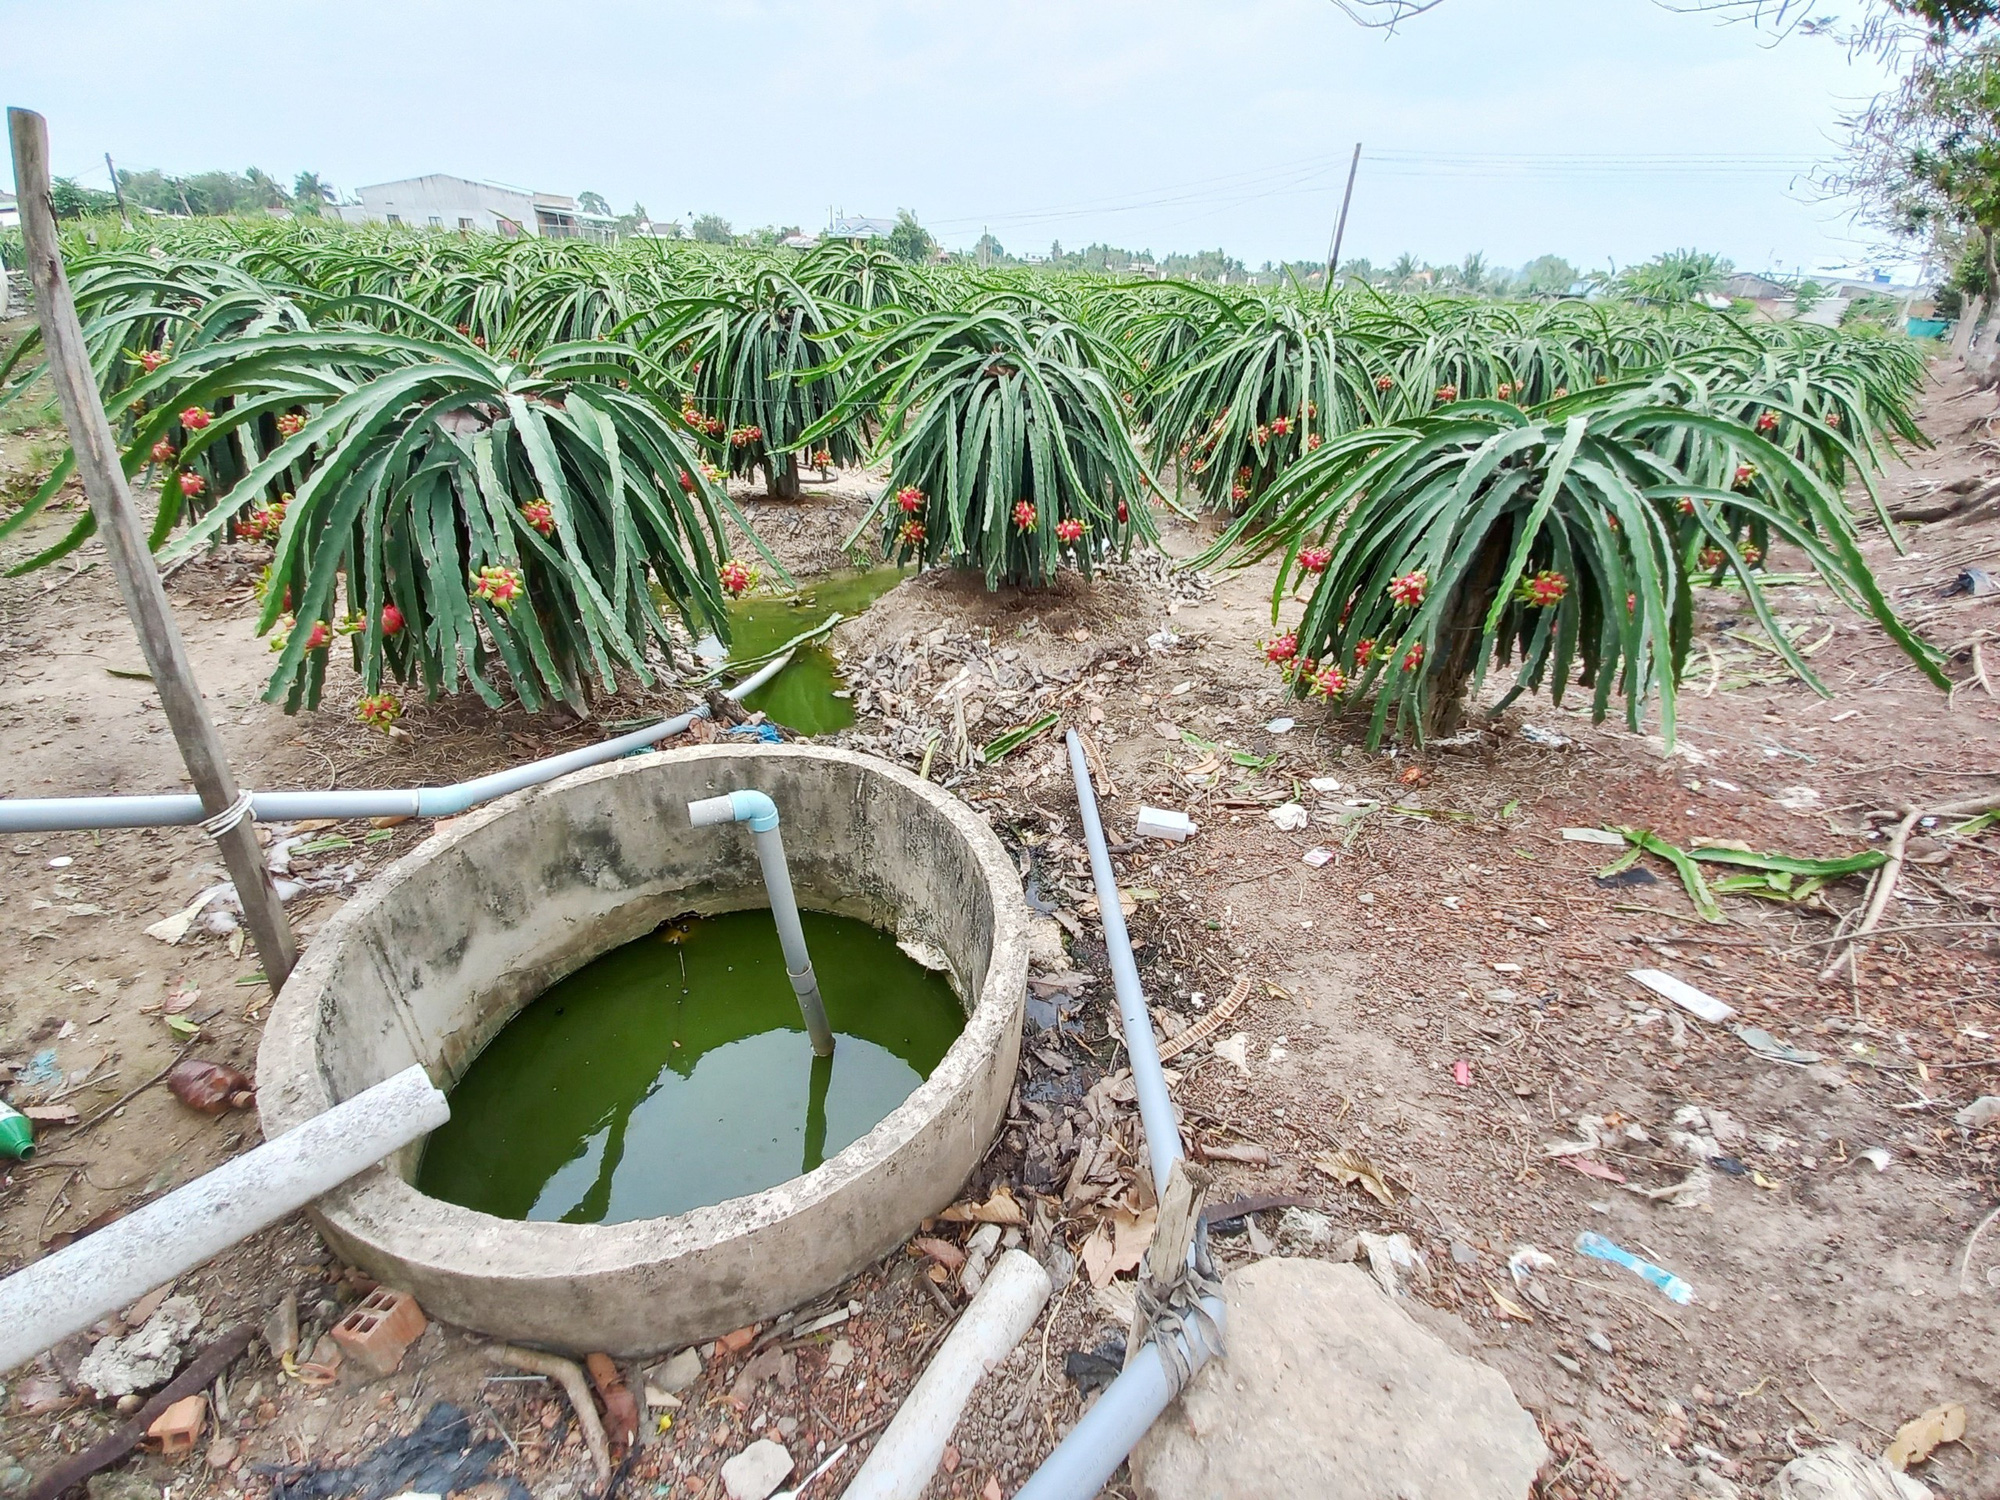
[
  {"x": 103, "y": 474},
  {"x": 908, "y": 1454},
  {"x": 67, "y": 1291}
]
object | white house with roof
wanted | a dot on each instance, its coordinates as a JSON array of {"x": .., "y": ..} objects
[
  {"x": 441, "y": 201},
  {"x": 855, "y": 227}
]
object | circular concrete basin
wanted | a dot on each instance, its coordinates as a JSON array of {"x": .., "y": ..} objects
[{"x": 438, "y": 953}]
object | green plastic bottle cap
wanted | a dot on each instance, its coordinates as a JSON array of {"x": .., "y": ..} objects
[{"x": 17, "y": 1134}]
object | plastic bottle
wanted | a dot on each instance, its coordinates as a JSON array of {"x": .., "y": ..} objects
[
  {"x": 17, "y": 1134},
  {"x": 1598, "y": 1247}
]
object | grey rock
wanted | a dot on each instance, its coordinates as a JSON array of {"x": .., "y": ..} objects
[
  {"x": 1596, "y": 1339},
  {"x": 677, "y": 1374},
  {"x": 756, "y": 1471},
  {"x": 1305, "y": 1339},
  {"x": 1981, "y": 1111},
  {"x": 142, "y": 1360}
]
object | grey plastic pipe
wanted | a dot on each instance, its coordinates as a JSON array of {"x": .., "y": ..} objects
[
  {"x": 51, "y": 814},
  {"x": 761, "y": 813},
  {"x": 1107, "y": 1433},
  {"x": 66, "y": 1292},
  {"x": 1156, "y": 1106}
]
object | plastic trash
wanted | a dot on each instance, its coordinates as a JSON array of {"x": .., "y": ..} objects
[
  {"x": 765, "y": 733},
  {"x": 1686, "y": 996},
  {"x": 1761, "y": 1042},
  {"x": 1597, "y": 1247},
  {"x": 17, "y": 1134},
  {"x": 1162, "y": 823},
  {"x": 211, "y": 1087},
  {"x": 1290, "y": 818},
  {"x": 1976, "y": 582}
]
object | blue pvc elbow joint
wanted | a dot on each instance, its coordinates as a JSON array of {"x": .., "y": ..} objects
[{"x": 754, "y": 808}]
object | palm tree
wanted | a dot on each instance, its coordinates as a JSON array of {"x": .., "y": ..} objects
[
  {"x": 1403, "y": 274},
  {"x": 265, "y": 190},
  {"x": 310, "y": 191}
]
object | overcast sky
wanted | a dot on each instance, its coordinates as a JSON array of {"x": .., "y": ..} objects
[{"x": 1600, "y": 130}]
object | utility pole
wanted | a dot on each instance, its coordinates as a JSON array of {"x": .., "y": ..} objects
[
  {"x": 118, "y": 193},
  {"x": 1340, "y": 227},
  {"x": 99, "y": 466}
]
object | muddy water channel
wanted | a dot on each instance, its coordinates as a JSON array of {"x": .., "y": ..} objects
[{"x": 808, "y": 696}]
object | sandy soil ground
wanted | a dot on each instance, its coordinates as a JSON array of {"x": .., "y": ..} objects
[{"x": 1442, "y": 998}]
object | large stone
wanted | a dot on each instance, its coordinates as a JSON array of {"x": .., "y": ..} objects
[
  {"x": 1330, "y": 1389},
  {"x": 756, "y": 1471}
]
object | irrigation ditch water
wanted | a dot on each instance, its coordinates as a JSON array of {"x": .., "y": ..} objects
[
  {"x": 674, "y": 1072},
  {"x": 803, "y": 696}
]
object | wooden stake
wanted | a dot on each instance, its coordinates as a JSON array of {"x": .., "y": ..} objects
[{"x": 98, "y": 463}]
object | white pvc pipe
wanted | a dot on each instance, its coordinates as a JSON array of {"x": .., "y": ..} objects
[
  {"x": 761, "y": 813},
  {"x": 909, "y": 1452},
  {"x": 66, "y": 1292},
  {"x": 169, "y": 810}
]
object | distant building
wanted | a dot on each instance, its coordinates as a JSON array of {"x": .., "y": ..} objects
[
  {"x": 1754, "y": 288},
  {"x": 799, "y": 241},
  {"x": 846, "y": 227},
  {"x": 10, "y": 212},
  {"x": 444, "y": 202}
]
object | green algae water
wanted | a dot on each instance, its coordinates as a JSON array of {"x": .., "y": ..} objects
[
  {"x": 675, "y": 1072},
  {"x": 801, "y": 696}
]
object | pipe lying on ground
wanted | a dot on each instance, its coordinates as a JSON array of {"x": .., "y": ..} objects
[
  {"x": 761, "y": 813},
  {"x": 64, "y": 1293},
  {"x": 908, "y": 1453},
  {"x": 1100, "y": 1442},
  {"x": 53, "y": 814}
]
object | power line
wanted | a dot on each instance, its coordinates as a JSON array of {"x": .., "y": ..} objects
[{"x": 1231, "y": 189}]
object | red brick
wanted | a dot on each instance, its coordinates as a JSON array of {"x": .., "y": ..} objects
[
  {"x": 177, "y": 1428},
  {"x": 380, "y": 1329},
  {"x": 730, "y": 1343}
]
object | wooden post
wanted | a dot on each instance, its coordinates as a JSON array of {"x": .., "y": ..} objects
[{"x": 97, "y": 462}]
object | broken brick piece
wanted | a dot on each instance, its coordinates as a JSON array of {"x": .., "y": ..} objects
[
  {"x": 177, "y": 1428},
  {"x": 730, "y": 1343},
  {"x": 380, "y": 1329},
  {"x": 621, "y": 1412}
]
